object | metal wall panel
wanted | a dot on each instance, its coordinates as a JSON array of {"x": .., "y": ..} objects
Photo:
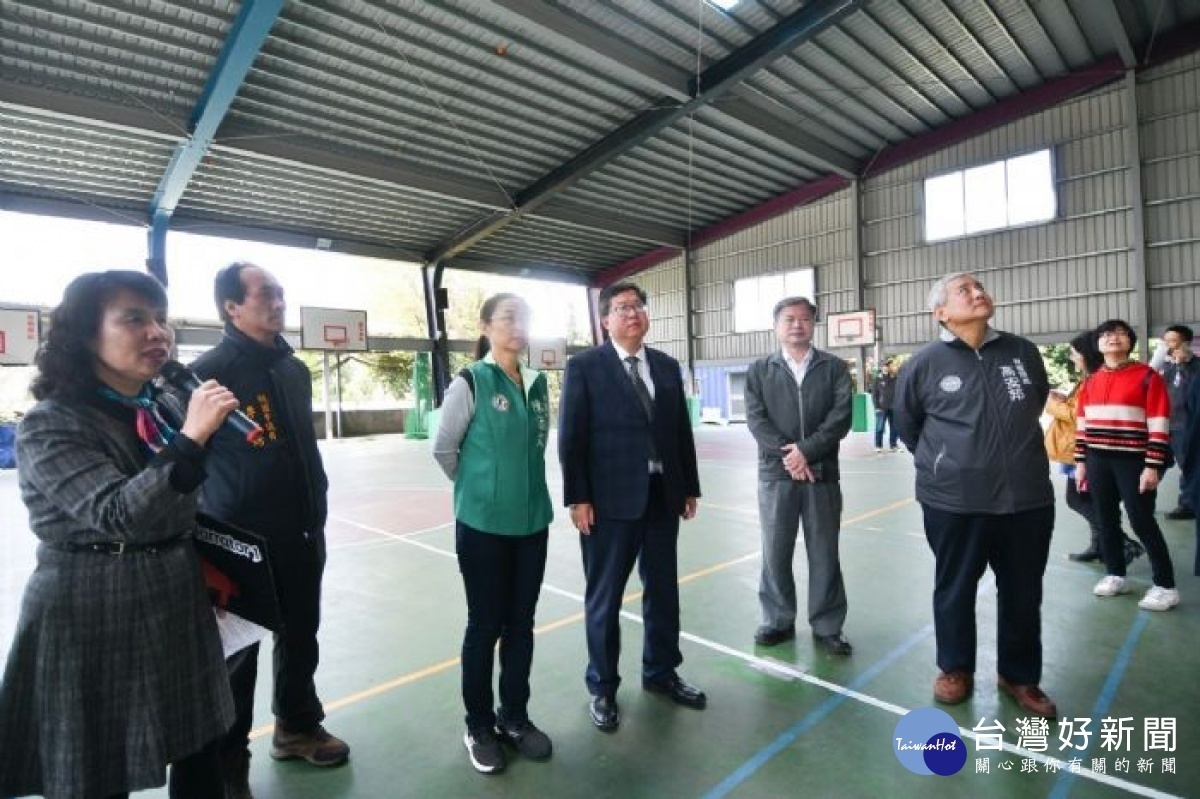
[
  {"x": 817, "y": 236},
  {"x": 665, "y": 286},
  {"x": 1049, "y": 280},
  {"x": 1169, "y": 111}
]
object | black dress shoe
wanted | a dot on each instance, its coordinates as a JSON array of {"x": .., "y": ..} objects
[
  {"x": 1181, "y": 514},
  {"x": 679, "y": 691},
  {"x": 605, "y": 713},
  {"x": 1089, "y": 555},
  {"x": 770, "y": 636},
  {"x": 835, "y": 644}
]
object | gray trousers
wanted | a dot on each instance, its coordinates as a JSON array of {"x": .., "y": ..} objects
[{"x": 782, "y": 505}]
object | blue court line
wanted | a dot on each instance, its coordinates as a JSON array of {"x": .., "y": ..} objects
[
  {"x": 1066, "y": 780},
  {"x": 814, "y": 717}
]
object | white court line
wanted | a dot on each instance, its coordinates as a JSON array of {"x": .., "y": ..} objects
[{"x": 788, "y": 670}]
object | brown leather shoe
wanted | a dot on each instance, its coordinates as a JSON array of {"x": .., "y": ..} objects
[
  {"x": 1030, "y": 698},
  {"x": 316, "y": 746},
  {"x": 953, "y": 687}
]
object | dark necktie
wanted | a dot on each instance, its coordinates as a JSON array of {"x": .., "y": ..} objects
[{"x": 643, "y": 394}]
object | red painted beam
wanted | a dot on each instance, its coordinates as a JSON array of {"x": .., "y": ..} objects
[{"x": 638, "y": 263}]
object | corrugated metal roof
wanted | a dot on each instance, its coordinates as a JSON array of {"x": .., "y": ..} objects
[{"x": 508, "y": 134}]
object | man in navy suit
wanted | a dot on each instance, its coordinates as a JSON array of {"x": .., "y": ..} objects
[{"x": 629, "y": 475}]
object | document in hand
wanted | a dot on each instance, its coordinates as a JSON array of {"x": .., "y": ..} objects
[{"x": 237, "y": 571}]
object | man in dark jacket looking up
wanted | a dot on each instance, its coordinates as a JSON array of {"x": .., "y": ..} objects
[
  {"x": 798, "y": 410},
  {"x": 275, "y": 488},
  {"x": 967, "y": 407}
]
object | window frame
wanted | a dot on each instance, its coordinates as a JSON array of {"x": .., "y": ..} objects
[
  {"x": 961, "y": 172},
  {"x": 762, "y": 312}
]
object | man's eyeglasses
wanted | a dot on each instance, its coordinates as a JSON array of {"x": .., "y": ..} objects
[
  {"x": 1114, "y": 334},
  {"x": 628, "y": 310}
]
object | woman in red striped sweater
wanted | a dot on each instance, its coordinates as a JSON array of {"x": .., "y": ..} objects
[{"x": 1122, "y": 448}]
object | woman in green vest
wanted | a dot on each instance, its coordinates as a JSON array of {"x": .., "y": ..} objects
[{"x": 491, "y": 442}]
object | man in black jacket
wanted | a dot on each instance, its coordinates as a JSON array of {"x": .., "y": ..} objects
[
  {"x": 967, "y": 407},
  {"x": 275, "y": 488},
  {"x": 883, "y": 394},
  {"x": 798, "y": 410}
]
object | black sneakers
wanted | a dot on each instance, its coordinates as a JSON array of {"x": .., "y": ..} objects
[
  {"x": 484, "y": 750},
  {"x": 526, "y": 737}
]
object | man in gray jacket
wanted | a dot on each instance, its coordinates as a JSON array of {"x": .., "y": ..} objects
[
  {"x": 967, "y": 407},
  {"x": 798, "y": 409}
]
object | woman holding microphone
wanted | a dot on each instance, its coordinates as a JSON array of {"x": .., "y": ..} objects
[{"x": 116, "y": 667}]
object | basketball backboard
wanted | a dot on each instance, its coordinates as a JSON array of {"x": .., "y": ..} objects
[
  {"x": 850, "y": 329},
  {"x": 19, "y": 335},
  {"x": 548, "y": 353},
  {"x": 333, "y": 329}
]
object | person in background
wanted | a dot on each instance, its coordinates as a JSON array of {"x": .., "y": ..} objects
[
  {"x": 116, "y": 668},
  {"x": 629, "y": 475},
  {"x": 883, "y": 393},
  {"x": 1192, "y": 439},
  {"x": 491, "y": 442},
  {"x": 968, "y": 407},
  {"x": 1180, "y": 369},
  {"x": 276, "y": 489},
  {"x": 1121, "y": 450},
  {"x": 1060, "y": 446},
  {"x": 798, "y": 408}
]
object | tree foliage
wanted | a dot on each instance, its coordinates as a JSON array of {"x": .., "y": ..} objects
[{"x": 1057, "y": 358}]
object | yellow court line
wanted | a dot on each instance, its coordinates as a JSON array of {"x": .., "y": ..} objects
[{"x": 438, "y": 668}]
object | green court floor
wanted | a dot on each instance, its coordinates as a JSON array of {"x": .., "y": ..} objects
[{"x": 781, "y": 722}]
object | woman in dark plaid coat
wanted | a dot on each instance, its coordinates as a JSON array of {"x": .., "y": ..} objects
[{"x": 116, "y": 667}]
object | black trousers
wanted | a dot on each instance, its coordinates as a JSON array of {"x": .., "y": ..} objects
[
  {"x": 502, "y": 575},
  {"x": 1113, "y": 482},
  {"x": 1016, "y": 547},
  {"x": 1183, "y": 461},
  {"x": 197, "y": 776},
  {"x": 609, "y": 553},
  {"x": 297, "y": 567}
]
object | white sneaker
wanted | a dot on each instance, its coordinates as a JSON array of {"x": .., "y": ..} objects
[
  {"x": 1111, "y": 585},
  {"x": 879, "y": 449},
  {"x": 1159, "y": 599}
]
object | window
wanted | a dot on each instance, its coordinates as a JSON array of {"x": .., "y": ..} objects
[
  {"x": 754, "y": 297},
  {"x": 1018, "y": 191}
]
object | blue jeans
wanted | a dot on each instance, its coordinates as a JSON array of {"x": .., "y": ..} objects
[
  {"x": 502, "y": 575},
  {"x": 884, "y": 418}
]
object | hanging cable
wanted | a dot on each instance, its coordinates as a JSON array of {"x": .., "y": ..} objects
[{"x": 463, "y": 138}]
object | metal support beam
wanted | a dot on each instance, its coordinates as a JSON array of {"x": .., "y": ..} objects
[
  {"x": 860, "y": 276},
  {"x": 658, "y": 75},
  {"x": 1137, "y": 215},
  {"x": 714, "y": 82},
  {"x": 1107, "y": 10},
  {"x": 689, "y": 269},
  {"x": 435, "y": 317},
  {"x": 246, "y": 38},
  {"x": 156, "y": 246}
]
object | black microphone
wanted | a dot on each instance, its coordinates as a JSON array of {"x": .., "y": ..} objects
[{"x": 185, "y": 379}]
